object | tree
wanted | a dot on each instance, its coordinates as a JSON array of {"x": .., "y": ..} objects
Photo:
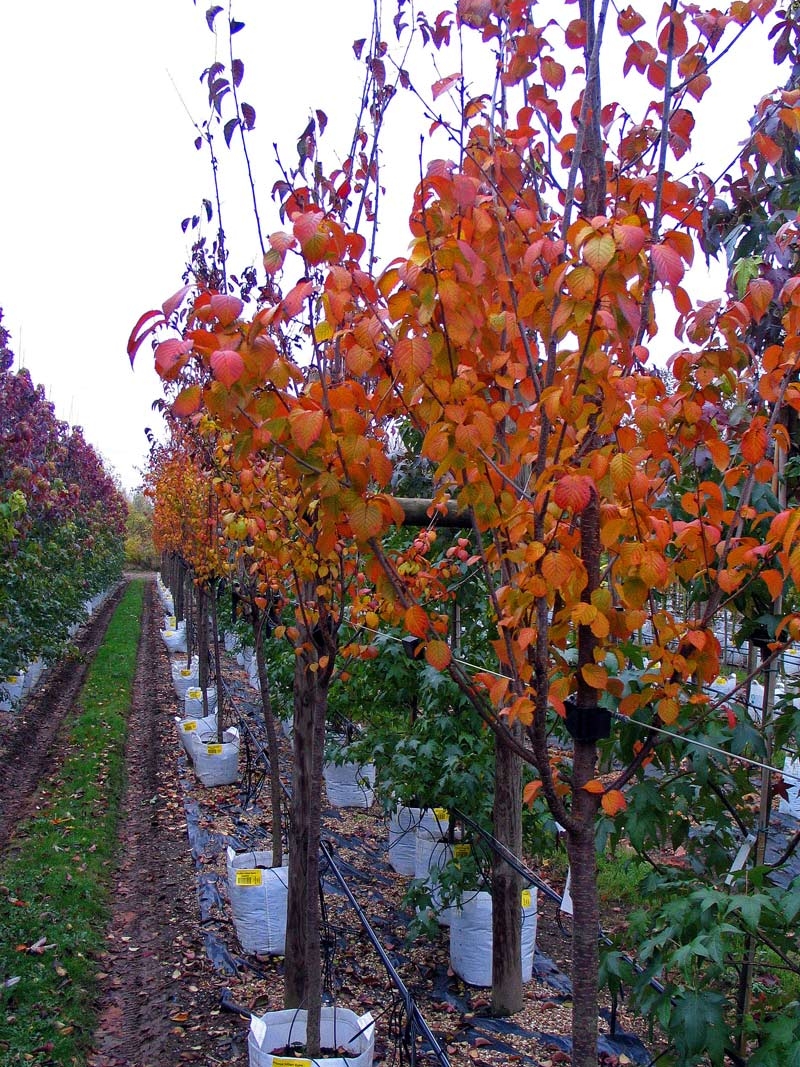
[{"x": 515, "y": 338}]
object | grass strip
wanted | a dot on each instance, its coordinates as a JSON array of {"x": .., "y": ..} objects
[{"x": 54, "y": 883}]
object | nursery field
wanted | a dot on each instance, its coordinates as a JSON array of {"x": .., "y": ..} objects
[{"x": 169, "y": 981}]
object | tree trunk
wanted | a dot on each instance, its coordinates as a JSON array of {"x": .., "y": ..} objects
[
  {"x": 217, "y": 664},
  {"x": 586, "y": 910},
  {"x": 202, "y": 642},
  {"x": 259, "y": 619},
  {"x": 506, "y": 882},
  {"x": 297, "y": 907}
]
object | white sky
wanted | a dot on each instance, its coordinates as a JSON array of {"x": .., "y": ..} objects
[{"x": 99, "y": 167}]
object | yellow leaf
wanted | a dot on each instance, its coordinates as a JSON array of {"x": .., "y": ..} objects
[{"x": 323, "y": 331}]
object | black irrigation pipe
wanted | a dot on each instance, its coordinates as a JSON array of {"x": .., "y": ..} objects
[
  {"x": 412, "y": 1011},
  {"x": 550, "y": 893}
]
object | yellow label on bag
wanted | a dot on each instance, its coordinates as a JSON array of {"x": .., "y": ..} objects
[
  {"x": 442, "y": 814},
  {"x": 249, "y": 877},
  {"x": 186, "y": 674},
  {"x": 526, "y": 898},
  {"x": 194, "y": 694},
  {"x": 189, "y": 726},
  {"x": 289, "y": 1061},
  {"x": 12, "y": 679},
  {"x": 461, "y": 850},
  {"x": 214, "y": 750}
]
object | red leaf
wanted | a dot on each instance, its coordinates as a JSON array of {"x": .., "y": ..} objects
[
  {"x": 573, "y": 492},
  {"x": 226, "y": 309},
  {"x": 628, "y": 21},
  {"x": 294, "y": 299},
  {"x": 227, "y": 366},
  {"x": 444, "y": 84},
  {"x": 174, "y": 301},
  {"x": 168, "y": 356},
  {"x": 135, "y": 339},
  {"x": 668, "y": 264}
]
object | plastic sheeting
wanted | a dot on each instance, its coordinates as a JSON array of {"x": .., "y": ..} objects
[
  {"x": 349, "y": 785},
  {"x": 471, "y": 937},
  {"x": 339, "y": 1027},
  {"x": 259, "y": 896}
]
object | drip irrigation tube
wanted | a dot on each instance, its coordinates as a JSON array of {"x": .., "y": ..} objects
[{"x": 412, "y": 1011}]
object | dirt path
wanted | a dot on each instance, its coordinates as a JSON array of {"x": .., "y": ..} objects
[
  {"x": 160, "y": 996},
  {"x": 28, "y": 738}
]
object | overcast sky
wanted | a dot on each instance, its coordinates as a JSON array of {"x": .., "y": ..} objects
[{"x": 99, "y": 167}]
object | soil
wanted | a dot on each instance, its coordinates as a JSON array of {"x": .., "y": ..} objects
[{"x": 173, "y": 978}]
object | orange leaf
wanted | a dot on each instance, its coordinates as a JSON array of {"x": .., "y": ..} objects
[
  {"x": 530, "y": 791},
  {"x": 366, "y": 520},
  {"x": 188, "y": 401},
  {"x": 306, "y": 426},
  {"x": 412, "y": 356},
  {"x": 438, "y": 655},
  {"x": 595, "y": 675},
  {"x": 416, "y": 621},
  {"x": 754, "y": 441},
  {"x": 613, "y": 802},
  {"x": 594, "y": 786}
]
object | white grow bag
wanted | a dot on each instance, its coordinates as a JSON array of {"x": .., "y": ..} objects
[
  {"x": 350, "y": 785},
  {"x": 403, "y": 825},
  {"x": 193, "y": 701},
  {"x": 471, "y": 938},
  {"x": 215, "y": 763},
  {"x": 204, "y": 728},
  {"x": 185, "y": 678},
  {"x": 259, "y": 895},
  {"x": 339, "y": 1027},
  {"x": 175, "y": 640}
]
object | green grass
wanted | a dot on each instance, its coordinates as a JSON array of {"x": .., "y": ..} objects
[{"x": 54, "y": 882}]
